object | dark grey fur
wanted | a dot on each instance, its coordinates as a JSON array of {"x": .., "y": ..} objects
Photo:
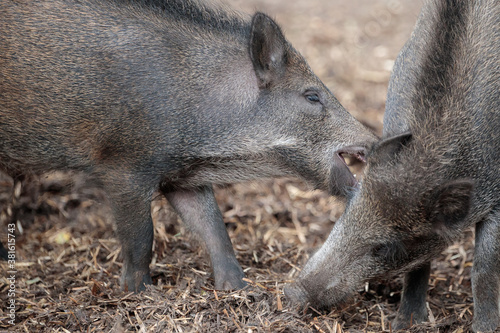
[
  {"x": 435, "y": 174},
  {"x": 171, "y": 95}
]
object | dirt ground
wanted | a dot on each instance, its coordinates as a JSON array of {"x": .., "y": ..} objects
[{"x": 68, "y": 261}]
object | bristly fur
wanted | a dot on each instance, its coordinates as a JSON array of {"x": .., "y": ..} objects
[
  {"x": 449, "y": 82},
  {"x": 437, "y": 73},
  {"x": 205, "y": 14}
]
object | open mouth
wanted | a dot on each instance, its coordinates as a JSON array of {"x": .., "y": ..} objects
[{"x": 352, "y": 161}]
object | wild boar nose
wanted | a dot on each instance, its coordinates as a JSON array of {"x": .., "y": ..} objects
[{"x": 295, "y": 293}]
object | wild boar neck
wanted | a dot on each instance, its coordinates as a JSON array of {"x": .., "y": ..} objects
[
  {"x": 450, "y": 107},
  {"x": 221, "y": 137}
]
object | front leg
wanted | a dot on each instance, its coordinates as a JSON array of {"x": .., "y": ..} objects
[
  {"x": 413, "y": 309},
  {"x": 199, "y": 211},
  {"x": 486, "y": 274}
]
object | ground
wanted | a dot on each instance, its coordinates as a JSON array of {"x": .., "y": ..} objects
[{"x": 68, "y": 260}]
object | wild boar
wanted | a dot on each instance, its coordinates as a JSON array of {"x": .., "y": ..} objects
[
  {"x": 435, "y": 173},
  {"x": 169, "y": 95}
]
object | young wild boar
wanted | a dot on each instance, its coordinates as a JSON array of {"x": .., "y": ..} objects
[
  {"x": 436, "y": 173},
  {"x": 174, "y": 95}
]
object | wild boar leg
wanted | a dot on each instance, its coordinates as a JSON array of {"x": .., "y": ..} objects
[
  {"x": 413, "y": 309},
  {"x": 131, "y": 203},
  {"x": 200, "y": 212},
  {"x": 485, "y": 274}
]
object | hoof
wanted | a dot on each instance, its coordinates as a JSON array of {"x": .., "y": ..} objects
[
  {"x": 136, "y": 282},
  {"x": 404, "y": 322},
  {"x": 230, "y": 279}
]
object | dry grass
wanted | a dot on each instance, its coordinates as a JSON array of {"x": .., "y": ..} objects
[{"x": 68, "y": 267}]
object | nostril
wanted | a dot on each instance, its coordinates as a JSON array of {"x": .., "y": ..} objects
[{"x": 295, "y": 293}]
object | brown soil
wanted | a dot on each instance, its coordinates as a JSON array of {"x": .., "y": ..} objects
[{"x": 68, "y": 261}]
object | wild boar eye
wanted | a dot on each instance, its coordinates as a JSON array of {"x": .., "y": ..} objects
[
  {"x": 312, "y": 97},
  {"x": 381, "y": 250}
]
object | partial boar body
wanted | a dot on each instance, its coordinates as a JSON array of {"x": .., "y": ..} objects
[
  {"x": 170, "y": 95},
  {"x": 435, "y": 173}
]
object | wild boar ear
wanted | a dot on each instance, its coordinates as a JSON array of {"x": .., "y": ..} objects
[
  {"x": 267, "y": 49},
  {"x": 389, "y": 147},
  {"x": 449, "y": 205}
]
